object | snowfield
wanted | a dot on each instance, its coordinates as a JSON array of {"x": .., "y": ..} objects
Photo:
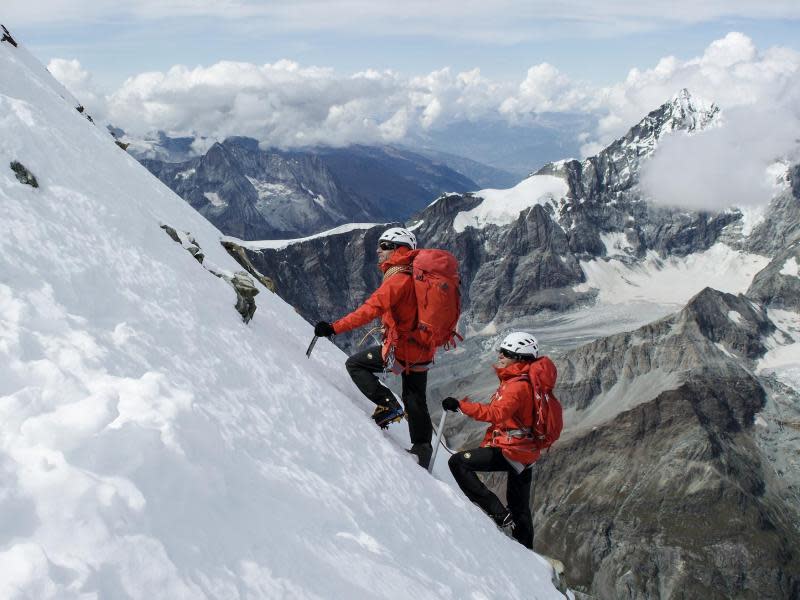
[
  {"x": 154, "y": 446},
  {"x": 672, "y": 280},
  {"x": 502, "y": 207},
  {"x": 281, "y": 244}
]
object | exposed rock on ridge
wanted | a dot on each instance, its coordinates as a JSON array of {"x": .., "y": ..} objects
[
  {"x": 7, "y": 37},
  {"x": 240, "y": 281},
  {"x": 240, "y": 255},
  {"x": 23, "y": 175}
]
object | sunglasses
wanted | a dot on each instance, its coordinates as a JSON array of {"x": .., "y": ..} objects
[
  {"x": 507, "y": 354},
  {"x": 387, "y": 246}
]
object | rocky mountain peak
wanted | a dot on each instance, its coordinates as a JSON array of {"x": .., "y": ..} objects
[
  {"x": 217, "y": 153},
  {"x": 604, "y": 197},
  {"x": 620, "y": 162},
  {"x": 683, "y": 112},
  {"x": 734, "y": 323},
  {"x": 689, "y": 113}
]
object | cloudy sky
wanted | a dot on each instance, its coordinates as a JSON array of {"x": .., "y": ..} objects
[{"x": 322, "y": 72}]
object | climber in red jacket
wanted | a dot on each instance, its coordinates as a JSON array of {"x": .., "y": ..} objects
[
  {"x": 395, "y": 303},
  {"x": 510, "y": 443}
]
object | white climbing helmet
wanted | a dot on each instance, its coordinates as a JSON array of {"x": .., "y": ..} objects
[
  {"x": 400, "y": 236},
  {"x": 521, "y": 345}
]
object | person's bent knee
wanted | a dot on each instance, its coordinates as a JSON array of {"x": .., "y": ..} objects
[
  {"x": 456, "y": 461},
  {"x": 350, "y": 364}
]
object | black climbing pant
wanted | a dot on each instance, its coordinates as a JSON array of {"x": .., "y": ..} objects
[
  {"x": 363, "y": 367},
  {"x": 465, "y": 465}
]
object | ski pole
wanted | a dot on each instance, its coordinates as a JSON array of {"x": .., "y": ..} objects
[
  {"x": 439, "y": 434},
  {"x": 311, "y": 346}
]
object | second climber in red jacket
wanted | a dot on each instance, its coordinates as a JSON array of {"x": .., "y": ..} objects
[
  {"x": 510, "y": 442},
  {"x": 395, "y": 303}
]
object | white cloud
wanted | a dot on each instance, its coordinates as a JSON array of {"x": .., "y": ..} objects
[
  {"x": 759, "y": 93},
  {"x": 79, "y": 83},
  {"x": 286, "y": 104},
  {"x": 731, "y": 73},
  {"x": 723, "y": 166},
  {"x": 732, "y": 49},
  {"x": 545, "y": 89}
]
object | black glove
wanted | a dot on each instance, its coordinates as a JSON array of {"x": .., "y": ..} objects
[
  {"x": 450, "y": 404},
  {"x": 324, "y": 329}
]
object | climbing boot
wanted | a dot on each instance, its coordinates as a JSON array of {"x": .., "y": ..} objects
[
  {"x": 504, "y": 522},
  {"x": 423, "y": 453},
  {"x": 385, "y": 415}
]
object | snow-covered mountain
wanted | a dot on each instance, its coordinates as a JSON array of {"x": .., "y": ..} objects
[
  {"x": 152, "y": 445},
  {"x": 677, "y": 475}
]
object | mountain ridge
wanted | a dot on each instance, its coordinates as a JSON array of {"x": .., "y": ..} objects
[
  {"x": 269, "y": 194},
  {"x": 152, "y": 444}
]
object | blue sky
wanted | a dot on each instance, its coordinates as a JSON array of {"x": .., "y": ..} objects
[{"x": 597, "y": 42}]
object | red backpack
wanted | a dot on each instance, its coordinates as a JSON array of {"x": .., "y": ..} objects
[
  {"x": 436, "y": 285},
  {"x": 548, "y": 414}
]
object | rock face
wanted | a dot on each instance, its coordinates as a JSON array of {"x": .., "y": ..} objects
[
  {"x": 7, "y": 37},
  {"x": 778, "y": 235},
  {"x": 23, "y": 175},
  {"x": 251, "y": 193},
  {"x": 240, "y": 281},
  {"x": 781, "y": 225},
  {"x": 778, "y": 285},
  {"x": 666, "y": 494}
]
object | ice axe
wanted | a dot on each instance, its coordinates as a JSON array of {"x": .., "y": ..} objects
[
  {"x": 311, "y": 346},
  {"x": 439, "y": 433}
]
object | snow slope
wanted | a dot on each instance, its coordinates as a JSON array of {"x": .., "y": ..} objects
[
  {"x": 281, "y": 244},
  {"x": 502, "y": 207},
  {"x": 154, "y": 446}
]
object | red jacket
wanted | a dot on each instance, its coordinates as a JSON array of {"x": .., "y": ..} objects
[
  {"x": 510, "y": 411},
  {"x": 395, "y": 302}
]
